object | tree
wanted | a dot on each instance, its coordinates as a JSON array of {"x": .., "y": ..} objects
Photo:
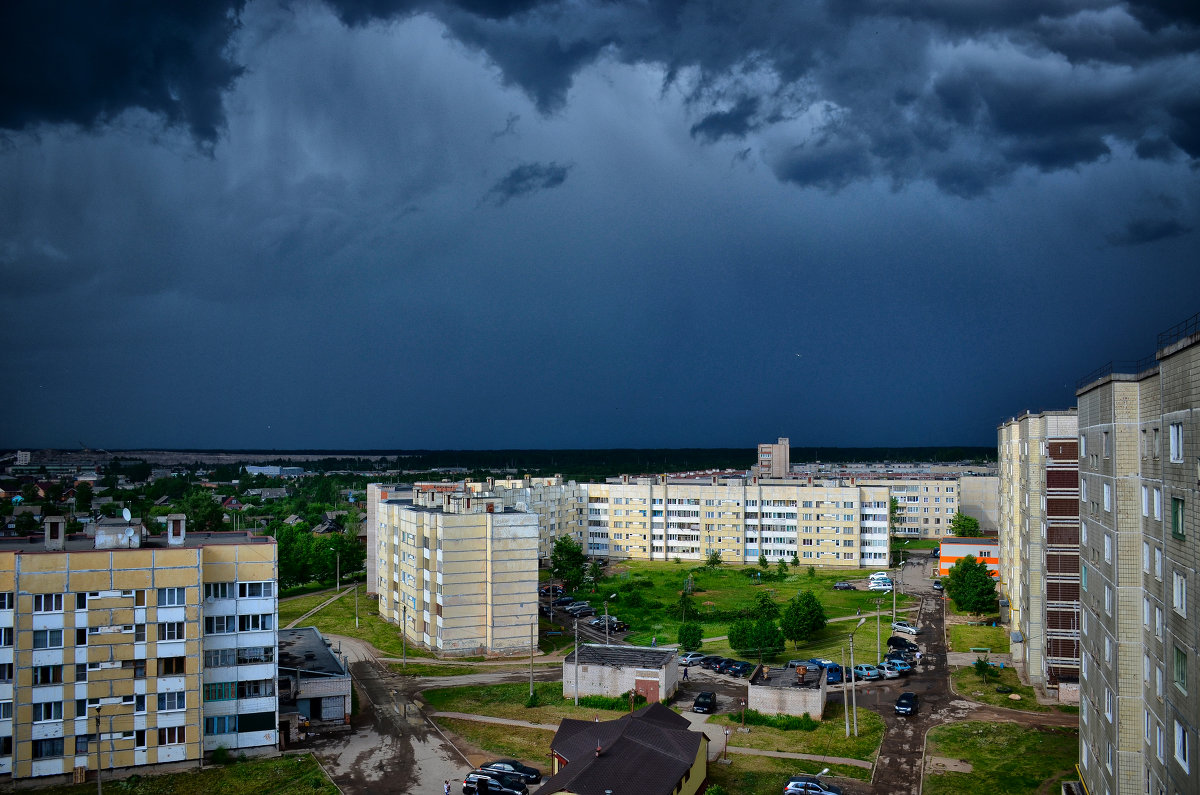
[
  {"x": 690, "y": 636},
  {"x": 764, "y": 607},
  {"x": 762, "y": 562},
  {"x": 595, "y": 573},
  {"x": 965, "y": 526},
  {"x": 741, "y": 634},
  {"x": 803, "y": 617},
  {"x": 567, "y": 561},
  {"x": 894, "y": 517},
  {"x": 714, "y": 559},
  {"x": 782, "y": 568},
  {"x": 984, "y": 670},
  {"x": 760, "y": 637},
  {"x": 202, "y": 511},
  {"x": 83, "y": 496},
  {"x": 27, "y": 524},
  {"x": 795, "y": 560},
  {"x": 687, "y": 606},
  {"x": 971, "y": 586}
]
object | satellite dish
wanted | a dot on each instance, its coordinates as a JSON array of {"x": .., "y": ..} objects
[
  {"x": 125, "y": 514},
  {"x": 129, "y": 532}
]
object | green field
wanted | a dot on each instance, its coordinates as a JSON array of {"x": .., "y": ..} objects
[
  {"x": 531, "y": 746},
  {"x": 964, "y": 637},
  {"x": 279, "y": 776},
  {"x": 765, "y": 775},
  {"x": 508, "y": 701},
  {"x": 648, "y": 595},
  {"x": 292, "y": 609},
  {"x": 968, "y": 685},
  {"x": 1006, "y": 759},
  {"x": 828, "y": 739}
]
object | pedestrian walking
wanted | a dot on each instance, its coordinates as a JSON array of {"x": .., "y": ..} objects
[
  {"x": 685, "y": 674},
  {"x": 446, "y": 787},
  {"x": 918, "y": 658},
  {"x": 858, "y": 612}
]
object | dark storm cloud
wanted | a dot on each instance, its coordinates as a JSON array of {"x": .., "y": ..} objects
[
  {"x": 735, "y": 122},
  {"x": 86, "y": 63},
  {"x": 1148, "y": 230},
  {"x": 526, "y": 179}
]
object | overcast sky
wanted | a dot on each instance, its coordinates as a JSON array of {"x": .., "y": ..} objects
[{"x": 590, "y": 223}]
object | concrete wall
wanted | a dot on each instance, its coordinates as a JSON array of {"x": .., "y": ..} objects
[
  {"x": 604, "y": 680},
  {"x": 787, "y": 700}
]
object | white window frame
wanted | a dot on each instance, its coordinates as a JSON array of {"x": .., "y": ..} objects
[
  {"x": 172, "y": 597},
  {"x": 1182, "y": 751},
  {"x": 1179, "y": 593},
  {"x": 1108, "y": 496},
  {"x": 1158, "y": 504},
  {"x": 1176, "y": 431},
  {"x": 47, "y": 603}
]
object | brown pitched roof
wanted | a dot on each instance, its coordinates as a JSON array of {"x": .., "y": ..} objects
[{"x": 645, "y": 753}]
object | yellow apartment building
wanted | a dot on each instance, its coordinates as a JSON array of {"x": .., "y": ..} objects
[{"x": 125, "y": 649}]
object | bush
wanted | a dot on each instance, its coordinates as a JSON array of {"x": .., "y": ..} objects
[
  {"x": 715, "y": 789},
  {"x": 691, "y": 636},
  {"x": 803, "y": 723},
  {"x": 612, "y": 702},
  {"x": 220, "y": 756},
  {"x": 532, "y": 701}
]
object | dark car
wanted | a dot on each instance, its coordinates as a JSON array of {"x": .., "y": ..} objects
[
  {"x": 563, "y": 601},
  {"x": 741, "y": 669},
  {"x": 844, "y": 586},
  {"x": 584, "y": 612},
  {"x": 551, "y": 590},
  {"x": 713, "y": 663},
  {"x": 901, "y": 656},
  {"x": 514, "y": 769},
  {"x": 937, "y": 585},
  {"x": 906, "y": 704},
  {"x": 904, "y": 644},
  {"x": 727, "y": 666},
  {"x": 705, "y": 702},
  {"x": 489, "y": 781}
]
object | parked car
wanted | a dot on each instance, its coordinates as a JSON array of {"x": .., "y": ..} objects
[
  {"x": 880, "y": 585},
  {"x": 886, "y": 671},
  {"x": 514, "y": 769},
  {"x": 705, "y": 702},
  {"x": 844, "y": 586},
  {"x": 741, "y": 669},
  {"x": 896, "y": 655},
  {"x": 810, "y": 785},
  {"x": 904, "y": 626},
  {"x": 880, "y": 575},
  {"x": 563, "y": 601},
  {"x": 899, "y": 666},
  {"x": 707, "y": 660},
  {"x": 833, "y": 671},
  {"x": 906, "y": 704},
  {"x": 714, "y": 663},
  {"x": 937, "y": 585},
  {"x": 904, "y": 644},
  {"x": 493, "y": 782},
  {"x": 571, "y": 608},
  {"x": 690, "y": 658},
  {"x": 727, "y": 665},
  {"x": 551, "y": 590},
  {"x": 866, "y": 672},
  {"x": 585, "y": 612}
]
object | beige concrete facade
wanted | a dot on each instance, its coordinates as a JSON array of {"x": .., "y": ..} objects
[
  {"x": 775, "y": 460},
  {"x": 1039, "y": 537},
  {"x": 103, "y": 651},
  {"x": 979, "y": 497},
  {"x": 1139, "y": 436},
  {"x": 458, "y": 572}
]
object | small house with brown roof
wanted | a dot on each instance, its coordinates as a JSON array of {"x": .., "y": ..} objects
[{"x": 652, "y": 751}]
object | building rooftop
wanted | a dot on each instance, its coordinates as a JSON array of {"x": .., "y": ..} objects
[
  {"x": 809, "y": 676},
  {"x": 83, "y": 543},
  {"x": 622, "y": 656},
  {"x": 305, "y": 649}
]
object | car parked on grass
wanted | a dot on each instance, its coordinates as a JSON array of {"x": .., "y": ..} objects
[
  {"x": 705, "y": 703},
  {"x": 810, "y": 785},
  {"x": 492, "y": 782},
  {"x": 866, "y": 672},
  {"x": 904, "y": 626},
  {"x": 907, "y": 704},
  {"x": 514, "y": 769},
  {"x": 844, "y": 586},
  {"x": 690, "y": 658}
]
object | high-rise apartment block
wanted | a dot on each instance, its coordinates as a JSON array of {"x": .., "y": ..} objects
[
  {"x": 775, "y": 460},
  {"x": 127, "y": 649},
  {"x": 1039, "y": 544},
  {"x": 457, "y": 570},
  {"x": 1139, "y": 465}
]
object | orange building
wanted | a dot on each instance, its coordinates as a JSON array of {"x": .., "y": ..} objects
[{"x": 955, "y": 549}]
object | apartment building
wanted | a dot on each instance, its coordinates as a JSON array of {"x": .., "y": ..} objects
[
  {"x": 1039, "y": 544},
  {"x": 775, "y": 460},
  {"x": 125, "y": 649},
  {"x": 457, "y": 571},
  {"x": 1139, "y": 462}
]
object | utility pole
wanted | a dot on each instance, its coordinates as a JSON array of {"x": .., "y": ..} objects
[
  {"x": 532, "y": 646},
  {"x": 404, "y": 638},
  {"x": 845, "y": 701},
  {"x": 895, "y": 587},
  {"x": 577, "y": 662},
  {"x": 606, "y": 643},
  {"x": 878, "y": 644},
  {"x": 99, "y": 787},
  {"x": 853, "y": 689}
]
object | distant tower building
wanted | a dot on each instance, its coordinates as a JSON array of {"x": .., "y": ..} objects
[
  {"x": 775, "y": 460},
  {"x": 22, "y": 458}
]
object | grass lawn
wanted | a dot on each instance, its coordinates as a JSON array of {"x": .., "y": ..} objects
[
  {"x": 338, "y": 619},
  {"x": 826, "y": 644},
  {"x": 428, "y": 668},
  {"x": 829, "y": 738},
  {"x": 648, "y": 594},
  {"x": 508, "y": 701},
  {"x": 966, "y": 683},
  {"x": 291, "y": 609},
  {"x": 1006, "y": 759},
  {"x": 279, "y": 776},
  {"x": 964, "y": 637},
  {"x": 765, "y": 775},
  {"x": 531, "y": 746}
]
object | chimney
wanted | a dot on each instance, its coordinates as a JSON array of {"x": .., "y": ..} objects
[
  {"x": 176, "y": 529},
  {"x": 55, "y": 528}
]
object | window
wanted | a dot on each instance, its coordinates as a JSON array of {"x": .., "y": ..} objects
[
  {"x": 6, "y": 710},
  {"x": 255, "y": 590},
  {"x": 1157, "y": 442},
  {"x": 217, "y": 658},
  {"x": 47, "y": 639},
  {"x": 1082, "y": 446},
  {"x": 173, "y": 735},
  {"x": 137, "y": 666},
  {"x": 256, "y": 689},
  {"x": 1158, "y": 682},
  {"x": 1177, "y": 517},
  {"x": 254, "y": 622},
  {"x": 1108, "y": 547},
  {"x": 172, "y": 701},
  {"x": 1157, "y": 564},
  {"x": 1146, "y": 612},
  {"x": 1108, "y": 704},
  {"x": 1083, "y": 489},
  {"x": 219, "y": 625},
  {"x": 1146, "y": 501},
  {"x": 47, "y": 675},
  {"x": 1107, "y": 649},
  {"x": 6, "y": 600},
  {"x": 1179, "y": 593},
  {"x": 170, "y": 597},
  {"x": 1083, "y": 534},
  {"x": 47, "y": 710},
  {"x": 6, "y": 672},
  {"x": 171, "y": 630},
  {"x": 1158, "y": 622},
  {"x": 1181, "y": 745},
  {"x": 1176, "y": 442},
  {"x": 222, "y": 724},
  {"x": 81, "y": 636},
  {"x": 1158, "y": 503},
  {"x": 1083, "y": 577},
  {"x": 1146, "y": 667},
  {"x": 1108, "y": 599},
  {"x": 171, "y": 666},
  {"x": 1106, "y": 438},
  {"x": 47, "y": 603},
  {"x": 1181, "y": 669},
  {"x": 46, "y": 749},
  {"x": 220, "y": 691},
  {"x": 254, "y": 655},
  {"x": 1146, "y": 557},
  {"x": 1108, "y": 496},
  {"x": 218, "y": 590},
  {"x": 139, "y": 633},
  {"x": 1158, "y": 736}
]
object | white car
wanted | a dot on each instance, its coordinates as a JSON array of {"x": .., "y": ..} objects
[
  {"x": 904, "y": 626},
  {"x": 880, "y": 575},
  {"x": 888, "y": 671},
  {"x": 880, "y": 585},
  {"x": 690, "y": 658}
]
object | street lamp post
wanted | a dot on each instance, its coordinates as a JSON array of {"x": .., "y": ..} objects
[
  {"x": 532, "y": 647},
  {"x": 853, "y": 689},
  {"x": 404, "y": 638},
  {"x": 727, "y": 733},
  {"x": 845, "y": 701},
  {"x": 99, "y": 787}
]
